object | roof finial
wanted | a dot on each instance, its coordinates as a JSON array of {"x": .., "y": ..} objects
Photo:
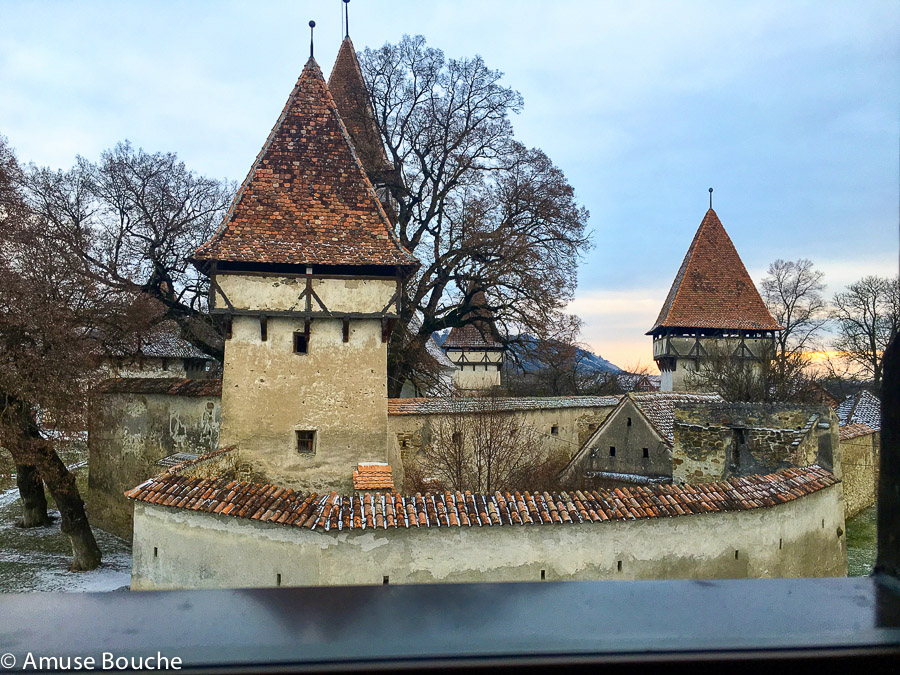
[
  {"x": 346, "y": 19},
  {"x": 710, "y": 197},
  {"x": 312, "y": 24}
]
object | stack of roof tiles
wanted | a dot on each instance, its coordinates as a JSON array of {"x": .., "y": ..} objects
[
  {"x": 712, "y": 288},
  {"x": 453, "y": 404},
  {"x": 384, "y": 510},
  {"x": 373, "y": 477},
  {"x": 307, "y": 199}
]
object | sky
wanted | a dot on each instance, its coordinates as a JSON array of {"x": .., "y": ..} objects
[{"x": 789, "y": 110}]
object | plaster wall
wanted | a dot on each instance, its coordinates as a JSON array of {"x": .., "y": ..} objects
[
  {"x": 859, "y": 462},
  {"x": 679, "y": 347},
  {"x": 410, "y": 433},
  {"x": 129, "y": 433},
  {"x": 629, "y": 432},
  {"x": 145, "y": 367},
  {"x": 185, "y": 549},
  {"x": 337, "y": 389},
  {"x": 476, "y": 369},
  {"x": 280, "y": 293}
]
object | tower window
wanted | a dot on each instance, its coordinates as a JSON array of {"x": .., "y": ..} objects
[
  {"x": 263, "y": 328},
  {"x": 346, "y": 330},
  {"x": 300, "y": 343},
  {"x": 554, "y": 430},
  {"x": 629, "y": 422},
  {"x": 612, "y": 451},
  {"x": 306, "y": 442},
  {"x": 228, "y": 327}
]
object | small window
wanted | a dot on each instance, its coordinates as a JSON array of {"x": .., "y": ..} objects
[
  {"x": 646, "y": 453},
  {"x": 306, "y": 442},
  {"x": 278, "y": 580},
  {"x": 228, "y": 327},
  {"x": 554, "y": 430},
  {"x": 619, "y": 565},
  {"x": 346, "y": 330},
  {"x": 300, "y": 343},
  {"x": 385, "y": 580},
  {"x": 629, "y": 422},
  {"x": 612, "y": 451},
  {"x": 263, "y": 328}
]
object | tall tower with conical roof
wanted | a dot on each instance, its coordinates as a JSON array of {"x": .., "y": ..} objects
[
  {"x": 306, "y": 269},
  {"x": 713, "y": 309}
]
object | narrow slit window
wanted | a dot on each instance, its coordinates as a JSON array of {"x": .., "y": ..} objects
[
  {"x": 263, "y": 329},
  {"x": 612, "y": 451},
  {"x": 228, "y": 328},
  {"x": 301, "y": 343},
  {"x": 619, "y": 566},
  {"x": 278, "y": 580},
  {"x": 543, "y": 575},
  {"x": 345, "y": 330},
  {"x": 646, "y": 453},
  {"x": 629, "y": 422},
  {"x": 385, "y": 580},
  {"x": 306, "y": 442}
]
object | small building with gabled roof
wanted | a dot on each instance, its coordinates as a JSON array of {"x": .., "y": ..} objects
[{"x": 713, "y": 309}]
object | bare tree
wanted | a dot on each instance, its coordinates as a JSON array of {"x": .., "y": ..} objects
[
  {"x": 867, "y": 315},
  {"x": 487, "y": 449},
  {"x": 480, "y": 210},
  {"x": 49, "y": 315},
  {"x": 792, "y": 292},
  {"x": 129, "y": 222}
]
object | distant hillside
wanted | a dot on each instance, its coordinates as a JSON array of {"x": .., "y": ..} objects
[{"x": 588, "y": 362}]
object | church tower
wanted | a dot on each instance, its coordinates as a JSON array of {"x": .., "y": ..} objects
[
  {"x": 713, "y": 309},
  {"x": 306, "y": 270},
  {"x": 475, "y": 349}
]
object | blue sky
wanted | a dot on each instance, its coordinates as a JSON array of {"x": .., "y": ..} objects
[{"x": 789, "y": 110}]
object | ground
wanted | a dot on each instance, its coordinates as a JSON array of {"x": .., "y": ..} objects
[
  {"x": 37, "y": 559},
  {"x": 861, "y": 543}
]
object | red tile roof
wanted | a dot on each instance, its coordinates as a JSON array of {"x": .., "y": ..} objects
[
  {"x": 348, "y": 88},
  {"x": 712, "y": 288},
  {"x": 480, "y": 334},
  {"x": 334, "y": 512},
  {"x": 854, "y": 430},
  {"x": 169, "y": 386},
  {"x": 306, "y": 199},
  {"x": 373, "y": 477},
  {"x": 441, "y": 405}
]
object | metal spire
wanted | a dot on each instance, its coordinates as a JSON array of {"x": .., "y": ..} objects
[
  {"x": 312, "y": 24},
  {"x": 710, "y": 197},
  {"x": 346, "y": 19}
]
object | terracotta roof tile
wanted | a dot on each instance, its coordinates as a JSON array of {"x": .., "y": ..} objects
[
  {"x": 307, "y": 199},
  {"x": 712, "y": 288},
  {"x": 854, "y": 430},
  {"x": 387, "y": 509},
  {"x": 480, "y": 334}
]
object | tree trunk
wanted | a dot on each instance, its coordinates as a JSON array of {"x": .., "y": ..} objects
[
  {"x": 61, "y": 483},
  {"x": 34, "y": 501},
  {"x": 34, "y": 450}
]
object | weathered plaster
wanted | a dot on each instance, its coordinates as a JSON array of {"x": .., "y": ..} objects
[
  {"x": 246, "y": 292},
  {"x": 186, "y": 549}
]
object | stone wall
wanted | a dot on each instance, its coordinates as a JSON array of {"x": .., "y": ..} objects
[
  {"x": 859, "y": 462},
  {"x": 713, "y": 441},
  {"x": 129, "y": 433},
  {"x": 185, "y": 549}
]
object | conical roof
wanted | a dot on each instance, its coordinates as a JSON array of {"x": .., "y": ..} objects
[
  {"x": 306, "y": 200},
  {"x": 480, "y": 334},
  {"x": 348, "y": 88},
  {"x": 712, "y": 288}
]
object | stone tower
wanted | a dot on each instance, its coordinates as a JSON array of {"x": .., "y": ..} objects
[
  {"x": 306, "y": 270},
  {"x": 712, "y": 310},
  {"x": 476, "y": 349}
]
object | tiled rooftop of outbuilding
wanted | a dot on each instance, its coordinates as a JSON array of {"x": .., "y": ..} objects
[
  {"x": 855, "y": 430},
  {"x": 860, "y": 408},
  {"x": 388, "y": 510},
  {"x": 659, "y": 407},
  {"x": 169, "y": 386},
  {"x": 454, "y": 404}
]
